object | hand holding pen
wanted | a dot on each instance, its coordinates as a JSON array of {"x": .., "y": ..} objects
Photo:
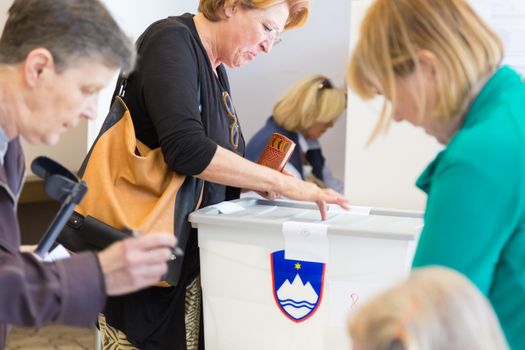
[
  {"x": 176, "y": 252},
  {"x": 137, "y": 262}
]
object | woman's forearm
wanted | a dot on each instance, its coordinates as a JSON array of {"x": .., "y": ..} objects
[{"x": 230, "y": 169}]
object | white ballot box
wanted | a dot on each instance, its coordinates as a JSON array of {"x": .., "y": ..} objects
[{"x": 274, "y": 276}]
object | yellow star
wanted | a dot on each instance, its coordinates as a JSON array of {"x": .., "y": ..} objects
[{"x": 297, "y": 266}]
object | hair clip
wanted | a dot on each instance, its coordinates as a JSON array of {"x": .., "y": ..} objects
[{"x": 325, "y": 84}]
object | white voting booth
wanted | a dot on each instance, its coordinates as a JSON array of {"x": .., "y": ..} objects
[{"x": 274, "y": 276}]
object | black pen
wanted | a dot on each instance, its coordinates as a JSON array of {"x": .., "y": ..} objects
[{"x": 176, "y": 252}]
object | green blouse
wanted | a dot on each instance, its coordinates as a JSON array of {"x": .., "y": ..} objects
[{"x": 475, "y": 213}]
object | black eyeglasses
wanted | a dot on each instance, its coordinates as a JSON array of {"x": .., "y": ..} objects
[{"x": 234, "y": 124}]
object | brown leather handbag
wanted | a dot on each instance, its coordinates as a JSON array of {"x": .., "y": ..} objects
[{"x": 130, "y": 187}]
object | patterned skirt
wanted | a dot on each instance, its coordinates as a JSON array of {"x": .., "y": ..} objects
[{"x": 114, "y": 339}]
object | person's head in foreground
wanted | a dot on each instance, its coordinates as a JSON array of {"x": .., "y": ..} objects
[
  {"x": 310, "y": 106},
  {"x": 434, "y": 309},
  {"x": 55, "y": 57},
  {"x": 427, "y": 58}
]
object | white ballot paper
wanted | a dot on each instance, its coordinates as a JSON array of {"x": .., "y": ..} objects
[
  {"x": 56, "y": 254},
  {"x": 355, "y": 210},
  {"x": 305, "y": 241},
  {"x": 228, "y": 207}
]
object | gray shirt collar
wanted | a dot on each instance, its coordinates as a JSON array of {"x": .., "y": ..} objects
[{"x": 4, "y": 141}]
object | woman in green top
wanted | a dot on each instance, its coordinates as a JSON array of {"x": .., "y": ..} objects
[{"x": 437, "y": 65}]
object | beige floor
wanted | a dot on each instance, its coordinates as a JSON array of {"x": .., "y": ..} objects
[{"x": 51, "y": 338}]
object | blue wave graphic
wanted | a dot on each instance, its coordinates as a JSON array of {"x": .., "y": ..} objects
[
  {"x": 285, "y": 306},
  {"x": 297, "y": 304}
]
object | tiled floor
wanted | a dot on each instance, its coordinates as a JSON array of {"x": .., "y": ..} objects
[{"x": 51, "y": 338}]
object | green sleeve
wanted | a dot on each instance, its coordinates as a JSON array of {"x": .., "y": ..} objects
[{"x": 467, "y": 221}]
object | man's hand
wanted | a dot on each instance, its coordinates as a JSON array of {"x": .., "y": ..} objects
[
  {"x": 28, "y": 248},
  {"x": 135, "y": 263}
]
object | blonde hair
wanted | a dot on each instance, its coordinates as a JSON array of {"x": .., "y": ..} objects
[
  {"x": 394, "y": 31},
  {"x": 311, "y": 100},
  {"x": 435, "y": 309},
  {"x": 299, "y": 9}
]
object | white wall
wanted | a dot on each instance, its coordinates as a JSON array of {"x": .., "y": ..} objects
[
  {"x": 4, "y": 6},
  {"x": 507, "y": 18}
]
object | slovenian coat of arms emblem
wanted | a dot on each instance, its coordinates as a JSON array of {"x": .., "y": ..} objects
[{"x": 297, "y": 286}]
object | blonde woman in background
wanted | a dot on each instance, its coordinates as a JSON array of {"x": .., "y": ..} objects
[
  {"x": 303, "y": 114},
  {"x": 435, "y": 309},
  {"x": 437, "y": 64}
]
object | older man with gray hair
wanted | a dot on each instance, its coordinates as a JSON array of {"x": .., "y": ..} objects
[{"x": 55, "y": 57}]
